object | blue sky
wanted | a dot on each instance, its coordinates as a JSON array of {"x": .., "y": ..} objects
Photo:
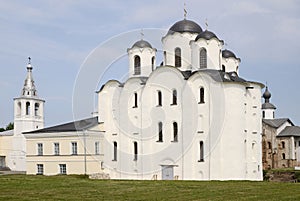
[{"x": 60, "y": 34}]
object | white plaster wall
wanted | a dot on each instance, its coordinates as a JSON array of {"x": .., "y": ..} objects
[
  {"x": 213, "y": 49},
  {"x": 228, "y": 150},
  {"x": 181, "y": 40},
  {"x": 145, "y": 55},
  {"x": 231, "y": 64}
]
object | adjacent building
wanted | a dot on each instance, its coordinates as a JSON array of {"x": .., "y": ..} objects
[{"x": 280, "y": 138}]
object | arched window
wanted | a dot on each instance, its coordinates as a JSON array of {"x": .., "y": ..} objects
[
  {"x": 135, "y": 151},
  {"x": 282, "y": 145},
  {"x": 264, "y": 114},
  {"x": 283, "y": 156},
  {"x": 27, "y": 108},
  {"x": 201, "y": 98},
  {"x": 201, "y": 151},
  {"x": 160, "y": 132},
  {"x": 223, "y": 68},
  {"x": 36, "y": 109},
  {"x": 137, "y": 65},
  {"x": 19, "y": 109},
  {"x": 175, "y": 131},
  {"x": 135, "y": 101},
  {"x": 115, "y": 154},
  {"x": 203, "y": 58},
  {"x": 177, "y": 57},
  {"x": 153, "y": 63},
  {"x": 159, "y": 98},
  {"x": 174, "y": 97}
]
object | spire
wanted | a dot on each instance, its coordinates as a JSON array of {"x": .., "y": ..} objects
[
  {"x": 29, "y": 88},
  {"x": 206, "y": 24},
  {"x": 184, "y": 10}
]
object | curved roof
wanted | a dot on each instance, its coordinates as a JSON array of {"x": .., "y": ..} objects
[
  {"x": 207, "y": 35},
  {"x": 142, "y": 44},
  {"x": 227, "y": 54},
  {"x": 185, "y": 26},
  {"x": 267, "y": 94},
  {"x": 268, "y": 105}
]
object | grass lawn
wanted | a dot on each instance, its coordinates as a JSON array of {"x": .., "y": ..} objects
[{"x": 22, "y": 187}]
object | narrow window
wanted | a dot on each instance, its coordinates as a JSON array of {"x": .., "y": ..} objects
[
  {"x": 40, "y": 149},
  {"x": 27, "y": 108},
  {"x": 175, "y": 132},
  {"x": 137, "y": 65},
  {"x": 135, "y": 104},
  {"x": 223, "y": 68},
  {"x": 74, "y": 148},
  {"x": 201, "y": 95},
  {"x": 97, "y": 148},
  {"x": 62, "y": 168},
  {"x": 273, "y": 115},
  {"x": 160, "y": 132},
  {"x": 264, "y": 114},
  {"x": 159, "y": 98},
  {"x": 56, "y": 148},
  {"x": 269, "y": 145},
  {"x": 177, "y": 57},
  {"x": 174, "y": 97},
  {"x": 135, "y": 151},
  {"x": 283, "y": 156},
  {"x": 153, "y": 63},
  {"x": 115, "y": 151},
  {"x": 36, "y": 109},
  {"x": 40, "y": 169},
  {"x": 165, "y": 57},
  {"x": 201, "y": 152},
  {"x": 283, "y": 145},
  {"x": 299, "y": 143},
  {"x": 19, "y": 109},
  {"x": 203, "y": 58}
]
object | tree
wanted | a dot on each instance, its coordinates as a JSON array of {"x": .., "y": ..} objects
[
  {"x": 10, "y": 126},
  {"x": 2, "y": 129}
]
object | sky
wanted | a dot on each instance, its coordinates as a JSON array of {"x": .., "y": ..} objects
[{"x": 63, "y": 36}]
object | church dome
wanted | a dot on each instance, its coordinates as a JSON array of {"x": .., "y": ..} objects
[
  {"x": 267, "y": 94},
  {"x": 142, "y": 44},
  {"x": 207, "y": 35},
  {"x": 228, "y": 54},
  {"x": 185, "y": 26}
]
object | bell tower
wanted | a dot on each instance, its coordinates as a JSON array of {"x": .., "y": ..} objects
[
  {"x": 28, "y": 108},
  {"x": 268, "y": 109}
]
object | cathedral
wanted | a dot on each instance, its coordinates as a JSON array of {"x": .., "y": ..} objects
[{"x": 190, "y": 118}]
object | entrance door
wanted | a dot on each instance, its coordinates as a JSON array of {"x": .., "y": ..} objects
[
  {"x": 167, "y": 172},
  {"x": 2, "y": 162}
]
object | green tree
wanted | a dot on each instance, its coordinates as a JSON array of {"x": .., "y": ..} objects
[
  {"x": 2, "y": 129},
  {"x": 10, "y": 126}
]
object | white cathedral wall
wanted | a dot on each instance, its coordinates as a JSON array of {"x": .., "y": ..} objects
[
  {"x": 231, "y": 64},
  {"x": 213, "y": 48},
  {"x": 224, "y": 157},
  {"x": 181, "y": 40},
  {"x": 145, "y": 55}
]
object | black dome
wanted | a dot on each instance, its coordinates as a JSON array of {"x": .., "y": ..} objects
[
  {"x": 228, "y": 54},
  {"x": 142, "y": 44},
  {"x": 267, "y": 94},
  {"x": 206, "y": 35},
  {"x": 185, "y": 26}
]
